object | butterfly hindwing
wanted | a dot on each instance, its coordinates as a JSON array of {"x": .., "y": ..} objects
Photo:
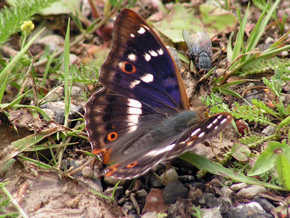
[
  {"x": 153, "y": 146},
  {"x": 110, "y": 116},
  {"x": 167, "y": 140},
  {"x": 200, "y": 132},
  {"x": 138, "y": 62}
]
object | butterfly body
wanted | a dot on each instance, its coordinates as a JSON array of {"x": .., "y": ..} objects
[{"x": 142, "y": 115}]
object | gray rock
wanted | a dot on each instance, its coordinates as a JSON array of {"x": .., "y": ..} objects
[
  {"x": 265, "y": 204},
  {"x": 226, "y": 192},
  {"x": 173, "y": 191},
  {"x": 56, "y": 111},
  {"x": 250, "y": 210},
  {"x": 209, "y": 200},
  {"x": 269, "y": 130}
]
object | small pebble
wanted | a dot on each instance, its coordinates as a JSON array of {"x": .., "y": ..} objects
[
  {"x": 141, "y": 193},
  {"x": 150, "y": 215},
  {"x": 211, "y": 213},
  {"x": 155, "y": 202},
  {"x": 269, "y": 130},
  {"x": 251, "y": 192},
  {"x": 155, "y": 183},
  {"x": 113, "y": 181},
  {"x": 169, "y": 176},
  {"x": 87, "y": 172},
  {"x": 238, "y": 186},
  {"x": 209, "y": 200},
  {"x": 76, "y": 92},
  {"x": 173, "y": 191},
  {"x": 226, "y": 192}
]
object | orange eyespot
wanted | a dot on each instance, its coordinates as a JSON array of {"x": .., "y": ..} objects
[
  {"x": 112, "y": 136},
  {"x": 127, "y": 67},
  {"x": 132, "y": 164}
]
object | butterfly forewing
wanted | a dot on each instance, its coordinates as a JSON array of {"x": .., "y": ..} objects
[{"x": 140, "y": 67}]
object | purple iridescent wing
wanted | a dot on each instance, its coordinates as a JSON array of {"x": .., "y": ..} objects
[{"x": 140, "y": 67}]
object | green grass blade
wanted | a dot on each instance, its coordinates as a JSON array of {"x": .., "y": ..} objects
[
  {"x": 25, "y": 143},
  {"x": 39, "y": 110},
  {"x": 240, "y": 37},
  {"x": 13, "y": 200},
  {"x": 66, "y": 74},
  {"x": 203, "y": 163},
  {"x": 16, "y": 59},
  {"x": 261, "y": 25}
]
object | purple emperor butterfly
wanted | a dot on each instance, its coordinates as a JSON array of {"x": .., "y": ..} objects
[{"x": 142, "y": 115}]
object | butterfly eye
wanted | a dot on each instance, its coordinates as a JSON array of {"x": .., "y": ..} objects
[
  {"x": 132, "y": 164},
  {"x": 127, "y": 67},
  {"x": 112, "y": 136}
]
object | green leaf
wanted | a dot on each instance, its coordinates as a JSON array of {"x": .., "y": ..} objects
[
  {"x": 67, "y": 86},
  {"x": 203, "y": 163},
  {"x": 178, "y": 19},
  {"x": 266, "y": 160},
  {"x": 230, "y": 92},
  {"x": 283, "y": 166},
  {"x": 213, "y": 20},
  {"x": 264, "y": 107},
  {"x": 216, "y": 19},
  {"x": 284, "y": 123},
  {"x": 240, "y": 152}
]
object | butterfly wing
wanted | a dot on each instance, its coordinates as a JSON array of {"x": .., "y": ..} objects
[
  {"x": 166, "y": 140},
  {"x": 200, "y": 132},
  {"x": 140, "y": 67},
  {"x": 110, "y": 116}
]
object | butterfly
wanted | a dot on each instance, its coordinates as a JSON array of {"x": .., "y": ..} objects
[
  {"x": 200, "y": 49},
  {"x": 142, "y": 115}
]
